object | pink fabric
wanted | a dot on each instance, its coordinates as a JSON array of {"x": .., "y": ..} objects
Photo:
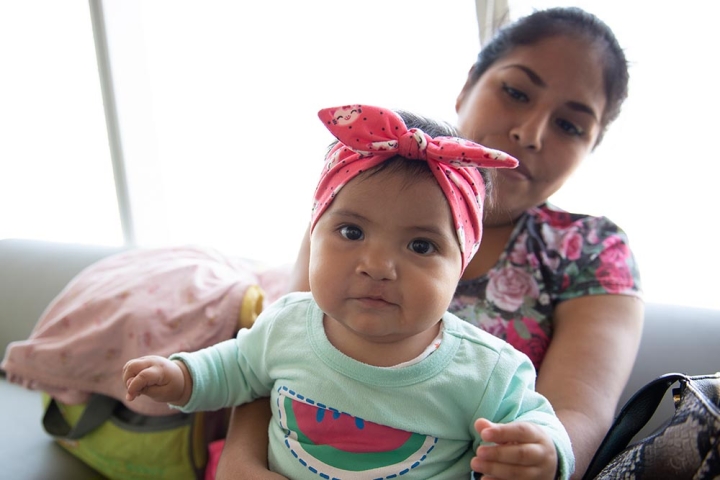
[
  {"x": 144, "y": 301},
  {"x": 368, "y": 136},
  {"x": 214, "y": 450}
]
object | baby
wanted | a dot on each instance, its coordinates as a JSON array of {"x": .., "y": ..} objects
[{"x": 369, "y": 376}]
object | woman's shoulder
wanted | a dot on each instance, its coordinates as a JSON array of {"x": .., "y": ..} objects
[
  {"x": 556, "y": 229},
  {"x": 552, "y": 217},
  {"x": 584, "y": 253}
]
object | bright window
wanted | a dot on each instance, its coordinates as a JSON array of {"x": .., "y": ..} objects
[{"x": 56, "y": 177}]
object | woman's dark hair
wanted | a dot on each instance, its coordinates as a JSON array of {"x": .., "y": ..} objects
[{"x": 570, "y": 21}]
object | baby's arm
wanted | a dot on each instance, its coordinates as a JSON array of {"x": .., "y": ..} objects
[
  {"x": 522, "y": 450},
  {"x": 157, "y": 377}
]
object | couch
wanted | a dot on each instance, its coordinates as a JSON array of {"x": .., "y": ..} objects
[{"x": 675, "y": 339}]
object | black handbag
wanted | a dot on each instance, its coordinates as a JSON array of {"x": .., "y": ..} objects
[{"x": 687, "y": 446}]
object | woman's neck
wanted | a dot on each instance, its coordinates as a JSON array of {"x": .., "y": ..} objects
[{"x": 494, "y": 240}]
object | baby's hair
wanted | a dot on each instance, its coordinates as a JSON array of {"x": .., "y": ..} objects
[{"x": 569, "y": 21}]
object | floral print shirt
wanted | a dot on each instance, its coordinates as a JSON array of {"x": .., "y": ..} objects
[{"x": 552, "y": 256}]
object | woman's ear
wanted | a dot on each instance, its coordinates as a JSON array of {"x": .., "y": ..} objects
[{"x": 465, "y": 90}]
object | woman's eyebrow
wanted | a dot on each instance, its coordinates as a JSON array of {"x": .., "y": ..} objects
[{"x": 535, "y": 78}]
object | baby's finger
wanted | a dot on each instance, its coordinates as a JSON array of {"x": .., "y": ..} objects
[
  {"x": 133, "y": 367},
  {"x": 146, "y": 378},
  {"x": 483, "y": 424},
  {"x": 521, "y": 454},
  {"x": 515, "y": 432},
  {"x": 135, "y": 386}
]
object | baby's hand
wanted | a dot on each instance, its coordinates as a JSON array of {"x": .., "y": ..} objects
[
  {"x": 157, "y": 377},
  {"x": 522, "y": 451}
]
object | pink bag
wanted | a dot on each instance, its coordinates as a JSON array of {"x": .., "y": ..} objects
[{"x": 139, "y": 302}]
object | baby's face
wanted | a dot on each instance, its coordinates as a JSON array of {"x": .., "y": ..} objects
[{"x": 385, "y": 259}]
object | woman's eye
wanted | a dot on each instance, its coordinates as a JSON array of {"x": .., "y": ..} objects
[
  {"x": 351, "y": 232},
  {"x": 423, "y": 247},
  {"x": 569, "y": 127},
  {"x": 515, "y": 93}
]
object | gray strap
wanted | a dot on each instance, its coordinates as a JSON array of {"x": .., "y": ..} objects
[{"x": 97, "y": 411}]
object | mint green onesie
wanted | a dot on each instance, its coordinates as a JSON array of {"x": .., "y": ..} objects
[{"x": 335, "y": 417}]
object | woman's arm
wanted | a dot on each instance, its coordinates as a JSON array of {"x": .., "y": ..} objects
[
  {"x": 244, "y": 455},
  {"x": 299, "y": 277},
  {"x": 247, "y": 437},
  {"x": 588, "y": 364}
]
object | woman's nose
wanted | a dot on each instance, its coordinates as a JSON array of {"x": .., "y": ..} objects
[
  {"x": 529, "y": 132},
  {"x": 378, "y": 263}
]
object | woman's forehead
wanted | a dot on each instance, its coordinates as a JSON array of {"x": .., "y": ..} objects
[{"x": 568, "y": 65}]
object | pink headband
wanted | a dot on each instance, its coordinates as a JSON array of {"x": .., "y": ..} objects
[{"x": 368, "y": 136}]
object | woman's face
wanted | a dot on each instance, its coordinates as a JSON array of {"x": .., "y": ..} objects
[{"x": 542, "y": 104}]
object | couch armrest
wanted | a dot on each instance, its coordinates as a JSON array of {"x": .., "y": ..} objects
[{"x": 32, "y": 273}]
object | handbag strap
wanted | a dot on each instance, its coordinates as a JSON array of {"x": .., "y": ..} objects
[
  {"x": 98, "y": 409},
  {"x": 709, "y": 387},
  {"x": 631, "y": 419}
]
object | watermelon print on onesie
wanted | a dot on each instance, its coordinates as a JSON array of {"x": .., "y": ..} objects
[{"x": 334, "y": 443}]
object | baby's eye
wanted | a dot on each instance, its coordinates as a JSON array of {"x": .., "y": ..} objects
[
  {"x": 423, "y": 247},
  {"x": 569, "y": 127},
  {"x": 514, "y": 93},
  {"x": 351, "y": 232}
]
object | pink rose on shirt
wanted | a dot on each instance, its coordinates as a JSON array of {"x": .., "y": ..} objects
[
  {"x": 527, "y": 336},
  {"x": 494, "y": 326},
  {"x": 614, "y": 277},
  {"x": 554, "y": 218},
  {"x": 615, "y": 251},
  {"x": 614, "y": 274},
  {"x": 507, "y": 288},
  {"x": 572, "y": 244},
  {"x": 519, "y": 253}
]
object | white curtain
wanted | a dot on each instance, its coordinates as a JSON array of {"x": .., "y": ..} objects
[{"x": 491, "y": 15}]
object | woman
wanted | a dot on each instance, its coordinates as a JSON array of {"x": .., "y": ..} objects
[{"x": 562, "y": 288}]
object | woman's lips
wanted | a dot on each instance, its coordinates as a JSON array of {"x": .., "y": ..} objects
[{"x": 518, "y": 173}]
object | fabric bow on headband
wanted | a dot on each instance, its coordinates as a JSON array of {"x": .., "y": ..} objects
[{"x": 368, "y": 136}]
